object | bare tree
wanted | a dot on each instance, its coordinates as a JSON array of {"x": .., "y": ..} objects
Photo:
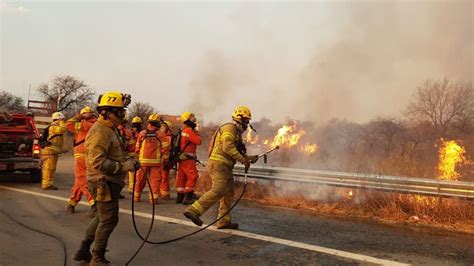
[
  {"x": 67, "y": 92},
  {"x": 10, "y": 102},
  {"x": 445, "y": 104},
  {"x": 141, "y": 109}
]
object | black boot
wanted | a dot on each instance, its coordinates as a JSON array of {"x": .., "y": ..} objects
[
  {"x": 179, "y": 197},
  {"x": 229, "y": 225},
  {"x": 98, "y": 258},
  {"x": 83, "y": 254},
  {"x": 190, "y": 198},
  {"x": 92, "y": 212},
  {"x": 193, "y": 217}
]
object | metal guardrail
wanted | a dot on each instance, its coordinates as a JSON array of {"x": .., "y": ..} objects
[{"x": 410, "y": 185}]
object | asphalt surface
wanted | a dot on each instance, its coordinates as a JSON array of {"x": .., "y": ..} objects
[{"x": 267, "y": 235}]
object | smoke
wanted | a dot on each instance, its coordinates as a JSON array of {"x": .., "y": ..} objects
[
  {"x": 216, "y": 77},
  {"x": 353, "y": 60},
  {"x": 385, "y": 51}
]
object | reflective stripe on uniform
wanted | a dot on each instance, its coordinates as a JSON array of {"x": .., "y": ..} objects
[
  {"x": 219, "y": 158},
  {"x": 77, "y": 126},
  {"x": 198, "y": 207},
  {"x": 150, "y": 160},
  {"x": 79, "y": 155},
  {"x": 227, "y": 135}
]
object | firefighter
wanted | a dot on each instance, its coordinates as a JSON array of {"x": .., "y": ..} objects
[
  {"x": 225, "y": 149},
  {"x": 136, "y": 129},
  {"x": 149, "y": 149},
  {"x": 52, "y": 149},
  {"x": 166, "y": 129},
  {"x": 80, "y": 125},
  {"x": 187, "y": 170},
  {"x": 107, "y": 165}
]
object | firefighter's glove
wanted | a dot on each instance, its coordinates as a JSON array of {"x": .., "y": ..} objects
[
  {"x": 253, "y": 159},
  {"x": 130, "y": 165},
  {"x": 110, "y": 167}
]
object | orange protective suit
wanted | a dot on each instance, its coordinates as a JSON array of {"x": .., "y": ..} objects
[
  {"x": 80, "y": 129},
  {"x": 187, "y": 170},
  {"x": 149, "y": 149}
]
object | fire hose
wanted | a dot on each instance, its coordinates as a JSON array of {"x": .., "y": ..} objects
[
  {"x": 145, "y": 239},
  {"x": 40, "y": 232}
]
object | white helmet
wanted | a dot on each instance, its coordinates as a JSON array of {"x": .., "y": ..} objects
[{"x": 57, "y": 116}]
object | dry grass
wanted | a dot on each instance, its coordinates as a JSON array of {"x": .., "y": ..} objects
[{"x": 446, "y": 213}]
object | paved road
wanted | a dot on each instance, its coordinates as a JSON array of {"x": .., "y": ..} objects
[{"x": 268, "y": 236}]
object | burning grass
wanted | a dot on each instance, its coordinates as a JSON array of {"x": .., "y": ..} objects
[{"x": 447, "y": 213}]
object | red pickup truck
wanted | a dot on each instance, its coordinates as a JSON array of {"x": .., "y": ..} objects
[{"x": 19, "y": 147}]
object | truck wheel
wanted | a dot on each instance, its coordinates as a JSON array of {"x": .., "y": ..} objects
[{"x": 35, "y": 175}]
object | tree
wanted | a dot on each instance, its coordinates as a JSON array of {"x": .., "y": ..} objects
[
  {"x": 445, "y": 104},
  {"x": 68, "y": 93},
  {"x": 141, "y": 109},
  {"x": 10, "y": 102}
]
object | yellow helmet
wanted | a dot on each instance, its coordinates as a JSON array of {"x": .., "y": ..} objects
[
  {"x": 242, "y": 112},
  {"x": 154, "y": 118},
  {"x": 185, "y": 116},
  {"x": 136, "y": 120},
  {"x": 114, "y": 99},
  {"x": 86, "y": 110},
  {"x": 169, "y": 124}
]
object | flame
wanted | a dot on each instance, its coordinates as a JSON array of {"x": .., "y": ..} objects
[
  {"x": 451, "y": 154},
  {"x": 351, "y": 193},
  {"x": 287, "y": 136},
  {"x": 250, "y": 138},
  {"x": 309, "y": 148}
]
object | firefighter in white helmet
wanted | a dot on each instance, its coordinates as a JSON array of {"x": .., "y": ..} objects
[{"x": 52, "y": 147}]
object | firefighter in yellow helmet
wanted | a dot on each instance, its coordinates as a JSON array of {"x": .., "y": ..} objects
[
  {"x": 79, "y": 125},
  {"x": 149, "y": 148},
  {"x": 187, "y": 171},
  {"x": 136, "y": 129},
  {"x": 107, "y": 165},
  {"x": 52, "y": 148},
  {"x": 225, "y": 149}
]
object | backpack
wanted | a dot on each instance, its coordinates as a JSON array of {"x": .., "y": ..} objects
[
  {"x": 240, "y": 145},
  {"x": 175, "y": 150},
  {"x": 43, "y": 139}
]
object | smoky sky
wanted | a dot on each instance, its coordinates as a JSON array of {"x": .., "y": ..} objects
[
  {"x": 369, "y": 64},
  {"x": 308, "y": 60}
]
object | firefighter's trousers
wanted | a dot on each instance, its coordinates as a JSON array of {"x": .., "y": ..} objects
[
  {"x": 49, "y": 168},
  {"x": 80, "y": 182},
  {"x": 187, "y": 176},
  {"x": 101, "y": 227},
  {"x": 153, "y": 173},
  {"x": 222, "y": 190},
  {"x": 165, "y": 183}
]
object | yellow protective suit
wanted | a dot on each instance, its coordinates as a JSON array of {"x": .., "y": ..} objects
[{"x": 50, "y": 153}]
